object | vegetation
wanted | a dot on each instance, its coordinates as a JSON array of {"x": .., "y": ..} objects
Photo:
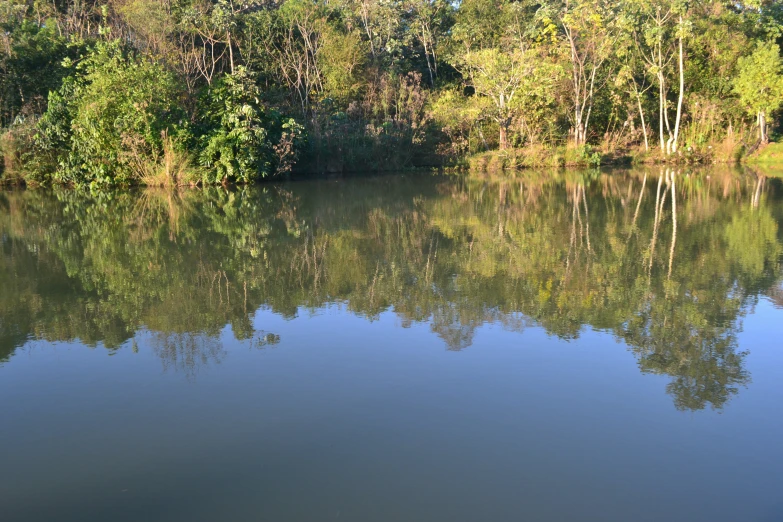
[
  {"x": 668, "y": 263},
  {"x": 99, "y": 92},
  {"x": 760, "y": 84}
]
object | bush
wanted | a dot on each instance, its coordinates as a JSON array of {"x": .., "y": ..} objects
[
  {"x": 242, "y": 140},
  {"x": 108, "y": 119}
]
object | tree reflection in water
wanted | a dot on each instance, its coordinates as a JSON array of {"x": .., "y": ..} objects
[{"x": 667, "y": 261}]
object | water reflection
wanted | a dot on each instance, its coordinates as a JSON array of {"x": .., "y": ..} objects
[{"x": 667, "y": 261}]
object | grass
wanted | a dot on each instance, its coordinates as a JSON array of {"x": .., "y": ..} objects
[
  {"x": 174, "y": 168},
  {"x": 14, "y": 143},
  {"x": 772, "y": 153},
  {"x": 536, "y": 156},
  {"x": 728, "y": 152},
  {"x": 767, "y": 160}
]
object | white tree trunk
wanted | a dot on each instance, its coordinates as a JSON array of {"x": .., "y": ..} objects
[
  {"x": 661, "y": 111},
  {"x": 681, "y": 96},
  {"x": 644, "y": 126}
]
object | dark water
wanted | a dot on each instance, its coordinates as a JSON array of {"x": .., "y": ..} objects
[{"x": 577, "y": 347}]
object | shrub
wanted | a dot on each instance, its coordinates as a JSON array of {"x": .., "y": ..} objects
[
  {"x": 242, "y": 140},
  {"x": 108, "y": 118}
]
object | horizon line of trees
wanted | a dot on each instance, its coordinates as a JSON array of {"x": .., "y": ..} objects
[{"x": 184, "y": 91}]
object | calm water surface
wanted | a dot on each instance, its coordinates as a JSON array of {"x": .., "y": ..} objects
[{"x": 571, "y": 347}]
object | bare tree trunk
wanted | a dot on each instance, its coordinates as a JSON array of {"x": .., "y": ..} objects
[
  {"x": 589, "y": 105},
  {"x": 365, "y": 21},
  {"x": 432, "y": 67},
  {"x": 503, "y": 138},
  {"x": 763, "y": 127},
  {"x": 661, "y": 111},
  {"x": 427, "y": 55},
  {"x": 758, "y": 123},
  {"x": 644, "y": 126},
  {"x": 483, "y": 140},
  {"x": 682, "y": 94},
  {"x": 656, "y": 60},
  {"x": 230, "y": 51},
  {"x": 665, "y": 109}
]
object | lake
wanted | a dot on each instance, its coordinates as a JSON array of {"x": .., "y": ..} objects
[{"x": 571, "y": 346}]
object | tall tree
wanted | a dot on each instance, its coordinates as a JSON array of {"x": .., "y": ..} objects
[
  {"x": 514, "y": 81},
  {"x": 759, "y": 84},
  {"x": 590, "y": 31}
]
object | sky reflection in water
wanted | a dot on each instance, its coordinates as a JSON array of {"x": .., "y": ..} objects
[{"x": 578, "y": 346}]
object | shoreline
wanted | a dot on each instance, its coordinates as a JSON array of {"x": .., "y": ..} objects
[{"x": 497, "y": 161}]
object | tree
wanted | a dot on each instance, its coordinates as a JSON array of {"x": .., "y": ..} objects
[
  {"x": 655, "y": 36},
  {"x": 430, "y": 19},
  {"x": 478, "y": 24},
  {"x": 245, "y": 141},
  {"x": 590, "y": 34},
  {"x": 514, "y": 81},
  {"x": 759, "y": 84},
  {"x": 631, "y": 76}
]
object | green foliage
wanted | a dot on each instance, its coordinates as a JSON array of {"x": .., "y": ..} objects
[
  {"x": 341, "y": 59},
  {"x": 15, "y": 148},
  {"x": 770, "y": 155},
  {"x": 381, "y": 85},
  {"x": 752, "y": 241},
  {"x": 109, "y": 117},
  {"x": 519, "y": 85},
  {"x": 459, "y": 118},
  {"x": 31, "y": 67},
  {"x": 759, "y": 83},
  {"x": 535, "y": 156},
  {"x": 244, "y": 141},
  {"x": 479, "y": 24}
]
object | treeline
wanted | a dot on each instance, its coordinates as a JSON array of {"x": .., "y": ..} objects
[{"x": 205, "y": 91}]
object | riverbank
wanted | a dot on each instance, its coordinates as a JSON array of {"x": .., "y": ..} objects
[
  {"x": 728, "y": 152},
  {"x": 177, "y": 169},
  {"x": 770, "y": 154}
]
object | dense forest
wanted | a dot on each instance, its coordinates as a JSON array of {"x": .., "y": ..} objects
[{"x": 167, "y": 92}]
